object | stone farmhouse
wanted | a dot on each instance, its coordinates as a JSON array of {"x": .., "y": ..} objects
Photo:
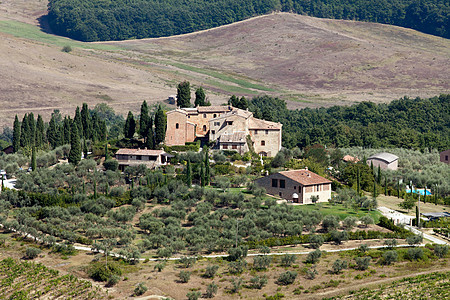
[
  {"x": 386, "y": 161},
  {"x": 444, "y": 156},
  {"x": 134, "y": 157},
  {"x": 227, "y": 126},
  {"x": 297, "y": 185}
]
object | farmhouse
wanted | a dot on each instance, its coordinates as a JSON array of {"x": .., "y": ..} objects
[
  {"x": 149, "y": 158},
  {"x": 297, "y": 185},
  {"x": 444, "y": 156},
  {"x": 229, "y": 127},
  {"x": 386, "y": 161}
]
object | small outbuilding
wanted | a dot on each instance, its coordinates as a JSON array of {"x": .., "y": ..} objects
[
  {"x": 444, "y": 156},
  {"x": 134, "y": 157},
  {"x": 297, "y": 185},
  {"x": 386, "y": 161}
]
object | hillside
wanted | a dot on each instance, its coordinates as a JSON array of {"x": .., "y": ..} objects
[{"x": 308, "y": 61}]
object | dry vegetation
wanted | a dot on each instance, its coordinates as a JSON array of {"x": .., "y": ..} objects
[{"x": 313, "y": 62}]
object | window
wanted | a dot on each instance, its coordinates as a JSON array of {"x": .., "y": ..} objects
[
  {"x": 177, "y": 126},
  {"x": 224, "y": 146},
  {"x": 204, "y": 127},
  {"x": 216, "y": 123},
  {"x": 280, "y": 194},
  {"x": 446, "y": 157},
  {"x": 213, "y": 131},
  {"x": 267, "y": 131},
  {"x": 138, "y": 157},
  {"x": 263, "y": 143},
  {"x": 234, "y": 147},
  {"x": 274, "y": 182},
  {"x": 230, "y": 122},
  {"x": 295, "y": 187},
  {"x": 256, "y": 131},
  {"x": 215, "y": 115},
  {"x": 282, "y": 183},
  {"x": 204, "y": 115}
]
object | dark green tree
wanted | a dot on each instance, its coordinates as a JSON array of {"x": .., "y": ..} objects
[
  {"x": 160, "y": 126},
  {"x": 33, "y": 159},
  {"x": 202, "y": 174},
  {"x": 52, "y": 133},
  {"x": 24, "y": 132},
  {"x": 150, "y": 140},
  {"x": 207, "y": 169},
  {"x": 144, "y": 119},
  {"x": 66, "y": 130},
  {"x": 379, "y": 175},
  {"x": 189, "y": 173},
  {"x": 32, "y": 130},
  {"x": 16, "y": 134},
  {"x": 78, "y": 120},
  {"x": 385, "y": 186},
  {"x": 183, "y": 94},
  {"x": 86, "y": 121},
  {"x": 417, "y": 216},
  {"x": 85, "y": 149},
  {"x": 130, "y": 126},
  {"x": 39, "y": 132},
  {"x": 75, "y": 146},
  {"x": 106, "y": 152},
  {"x": 200, "y": 97}
]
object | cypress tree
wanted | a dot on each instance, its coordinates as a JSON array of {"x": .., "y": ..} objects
[
  {"x": 385, "y": 185},
  {"x": 150, "y": 143},
  {"x": 371, "y": 167},
  {"x": 130, "y": 126},
  {"x": 374, "y": 189},
  {"x": 32, "y": 130},
  {"x": 16, "y": 134},
  {"x": 85, "y": 149},
  {"x": 379, "y": 175},
  {"x": 95, "y": 189},
  {"x": 77, "y": 120},
  {"x": 84, "y": 188},
  {"x": 436, "y": 195},
  {"x": 398, "y": 189},
  {"x": 24, "y": 132},
  {"x": 86, "y": 120},
  {"x": 95, "y": 127},
  {"x": 189, "y": 173},
  {"x": 33, "y": 159},
  {"x": 202, "y": 175},
  {"x": 66, "y": 131},
  {"x": 207, "y": 171},
  {"x": 39, "y": 132},
  {"x": 52, "y": 133},
  {"x": 106, "y": 152},
  {"x": 144, "y": 119},
  {"x": 200, "y": 97},
  {"x": 160, "y": 126},
  {"x": 103, "y": 131},
  {"x": 75, "y": 147},
  {"x": 184, "y": 94},
  {"x": 358, "y": 181},
  {"x": 417, "y": 217}
]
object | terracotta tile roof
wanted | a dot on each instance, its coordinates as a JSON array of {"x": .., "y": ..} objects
[
  {"x": 216, "y": 108},
  {"x": 125, "y": 151},
  {"x": 350, "y": 158},
  {"x": 305, "y": 177},
  {"x": 263, "y": 124},
  {"x": 235, "y": 137}
]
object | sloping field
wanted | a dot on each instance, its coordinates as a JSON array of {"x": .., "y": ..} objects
[{"x": 307, "y": 61}]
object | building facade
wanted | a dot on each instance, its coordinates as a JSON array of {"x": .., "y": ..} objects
[
  {"x": 386, "y": 161},
  {"x": 445, "y": 156},
  {"x": 230, "y": 128},
  {"x": 134, "y": 157},
  {"x": 297, "y": 185}
]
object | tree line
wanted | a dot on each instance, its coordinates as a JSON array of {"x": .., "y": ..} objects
[
  {"x": 403, "y": 123},
  {"x": 88, "y": 20}
]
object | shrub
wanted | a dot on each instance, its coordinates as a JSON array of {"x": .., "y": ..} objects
[
  {"x": 339, "y": 265},
  {"x": 184, "y": 276},
  {"x": 338, "y": 236},
  {"x": 187, "y": 262},
  {"x": 313, "y": 257},
  {"x": 330, "y": 222},
  {"x": 415, "y": 253},
  {"x": 236, "y": 284},
  {"x": 366, "y": 220},
  {"x": 111, "y": 164},
  {"x": 210, "y": 271},
  {"x": 362, "y": 263},
  {"x": 32, "y": 252},
  {"x": 311, "y": 273},
  {"x": 140, "y": 289},
  {"x": 193, "y": 295},
  {"x": 113, "y": 280},
  {"x": 99, "y": 272},
  {"x": 363, "y": 248},
  {"x": 258, "y": 282},
  {"x": 237, "y": 267},
  {"x": 211, "y": 290},
  {"x": 261, "y": 262},
  {"x": 287, "y": 278},
  {"x": 159, "y": 267},
  {"x": 316, "y": 241},
  {"x": 391, "y": 243},
  {"x": 287, "y": 260},
  {"x": 389, "y": 257},
  {"x": 350, "y": 222},
  {"x": 414, "y": 239},
  {"x": 237, "y": 253},
  {"x": 66, "y": 49},
  {"x": 440, "y": 250}
]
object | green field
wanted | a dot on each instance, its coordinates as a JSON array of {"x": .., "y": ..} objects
[{"x": 340, "y": 210}]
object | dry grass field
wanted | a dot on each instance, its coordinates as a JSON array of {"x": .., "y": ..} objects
[{"x": 308, "y": 61}]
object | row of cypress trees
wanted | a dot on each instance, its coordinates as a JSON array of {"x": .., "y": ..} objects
[{"x": 153, "y": 132}]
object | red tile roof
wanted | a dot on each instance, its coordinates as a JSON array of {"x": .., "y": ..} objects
[{"x": 305, "y": 177}]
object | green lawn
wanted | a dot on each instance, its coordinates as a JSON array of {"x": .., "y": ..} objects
[{"x": 340, "y": 211}]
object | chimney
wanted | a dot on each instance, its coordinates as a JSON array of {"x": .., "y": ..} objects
[{"x": 306, "y": 168}]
